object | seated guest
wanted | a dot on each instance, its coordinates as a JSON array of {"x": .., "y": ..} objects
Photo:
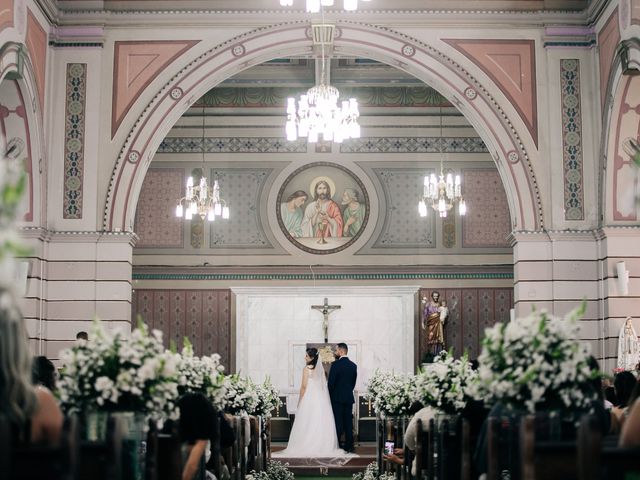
[
  {"x": 630, "y": 434},
  {"x": 43, "y": 373},
  {"x": 624, "y": 383},
  {"x": 32, "y": 411},
  {"x": 82, "y": 336},
  {"x": 610, "y": 399},
  {"x": 196, "y": 429},
  {"x": 411, "y": 434}
]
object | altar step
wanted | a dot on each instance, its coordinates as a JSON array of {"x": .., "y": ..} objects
[{"x": 300, "y": 467}]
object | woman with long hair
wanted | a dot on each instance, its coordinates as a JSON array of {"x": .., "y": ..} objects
[{"x": 32, "y": 411}]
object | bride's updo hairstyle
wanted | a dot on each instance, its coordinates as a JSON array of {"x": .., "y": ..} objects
[{"x": 313, "y": 353}]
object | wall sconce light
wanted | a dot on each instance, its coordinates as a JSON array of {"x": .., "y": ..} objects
[{"x": 623, "y": 278}]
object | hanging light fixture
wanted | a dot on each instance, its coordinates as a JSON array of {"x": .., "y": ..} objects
[
  {"x": 313, "y": 6},
  {"x": 200, "y": 199},
  {"x": 443, "y": 191},
  {"x": 317, "y": 112}
]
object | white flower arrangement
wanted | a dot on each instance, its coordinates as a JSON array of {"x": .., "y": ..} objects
[
  {"x": 275, "y": 471},
  {"x": 241, "y": 395},
  {"x": 113, "y": 372},
  {"x": 535, "y": 363},
  {"x": 268, "y": 399},
  {"x": 201, "y": 374},
  {"x": 391, "y": 393},
  {"x": 371, "y": 473},
  {"x": 447, "y": 384}
]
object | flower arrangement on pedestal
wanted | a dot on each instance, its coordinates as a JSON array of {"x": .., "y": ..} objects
[
  {"x": 241, "y": 395},
  {"x": 391, "y": 393},
  {"x": 447, "y": 384},
  {"x": 201, "y": 374},
  {"x": 113, "y": 372},
  {"x": 536, "y": 364},
  {"x": 268, "y": 399}
]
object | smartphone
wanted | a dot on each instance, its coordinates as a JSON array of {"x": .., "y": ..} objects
[{"x": 388, "y": 448}]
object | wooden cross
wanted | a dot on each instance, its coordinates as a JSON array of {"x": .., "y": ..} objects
[{"x": 326, "y": 309}]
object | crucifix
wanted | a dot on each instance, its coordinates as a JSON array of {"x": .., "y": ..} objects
[{"x": 326, "y": 309}]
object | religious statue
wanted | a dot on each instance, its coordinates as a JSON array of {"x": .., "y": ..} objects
[
  {"x": 434, "y": 315},
  {"x": 325, "y": 309},
  {"x": 628, "y": 347}
]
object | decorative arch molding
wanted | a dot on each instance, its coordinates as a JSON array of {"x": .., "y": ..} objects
[
  {"x": 16, "y": 67},
  {"x": 622, "y": 87},
  {"x": 425, "y": 62}
]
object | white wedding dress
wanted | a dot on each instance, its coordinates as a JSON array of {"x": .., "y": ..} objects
[{"x": 313, "y": 435}]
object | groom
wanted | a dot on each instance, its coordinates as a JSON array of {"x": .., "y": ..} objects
[{"x": 342, "y": 381}]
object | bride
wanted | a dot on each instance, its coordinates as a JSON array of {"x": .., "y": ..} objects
[{"x": 314, "y": 430}]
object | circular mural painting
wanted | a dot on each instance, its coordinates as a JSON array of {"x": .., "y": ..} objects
[{"x": 322, "y": 208}]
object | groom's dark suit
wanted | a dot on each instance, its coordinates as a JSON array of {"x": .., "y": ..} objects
[{"x": 342, "y": 381}]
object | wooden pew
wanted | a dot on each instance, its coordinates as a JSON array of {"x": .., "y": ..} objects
[
  {"x": 444, "y": 451},
  {"x": 35, "y": 462},
  {"x": 151, "y": 460},
  {"x": 453, "y": 448},
  {"x": 423, "y": 452},
  {"x": 502, "y": 448},
  {"x": 545, "y": 459},
  {"x": 600, "y": 458},
  {"x": 102, "y": 460},
  {"x": 254, "y": 456},
  {"x": 169, "y": 456}
]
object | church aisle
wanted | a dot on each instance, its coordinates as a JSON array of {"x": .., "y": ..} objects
[{"x": 301, "y": 468}]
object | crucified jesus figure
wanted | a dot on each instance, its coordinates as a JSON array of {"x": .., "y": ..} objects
[{"x": 326, "y": 309}]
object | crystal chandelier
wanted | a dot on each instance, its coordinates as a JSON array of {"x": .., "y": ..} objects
[
  {"x": 317, "y": 112},
  {"x": 443, "y": 191},
  {"x": 313, "y": 6},
  {"x": 201, "y": 199}
]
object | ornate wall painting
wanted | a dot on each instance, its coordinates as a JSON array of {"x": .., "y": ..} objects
[{"x": 322, "y": 208}]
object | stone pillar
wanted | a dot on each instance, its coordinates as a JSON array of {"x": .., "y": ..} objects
[
  {"x": 556, "y": 271},
  {"x": 73, "y": 278},
  {"x": 618, "y": 244}
]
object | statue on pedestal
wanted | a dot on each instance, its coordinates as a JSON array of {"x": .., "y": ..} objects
[
  {"x": 434, "y": 315},
  {"x": 628, "y": 347}
]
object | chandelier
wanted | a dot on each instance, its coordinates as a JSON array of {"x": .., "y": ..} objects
[
  {"x": 318, "y": 112},
  {"x": 313, "y": 6},
  {"x": 443, "y": 191},
  {"x": 201, "y": 199}
]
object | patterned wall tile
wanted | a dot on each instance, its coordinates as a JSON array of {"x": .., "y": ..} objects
[
  {"x": 232, "y": 145},
  {"x": 74, "y": 112},
  {"x": 572, "y": 139},
  {"x": 260, "y": 97},
  {"x": 449, "y": 231},
  {"x": 403, "y": 228},
  {"x": 414, "y": 145},
  {"x": 204, "y": 316},
  {"x": 471, "y": 311},
  {"x": 487, "y": 222},
  {"x": 156, "y": 224},
  {"x": 241, "y": 188}
]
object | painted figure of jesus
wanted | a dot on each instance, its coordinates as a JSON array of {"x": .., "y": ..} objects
[{"x": 322, "y": 217}]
